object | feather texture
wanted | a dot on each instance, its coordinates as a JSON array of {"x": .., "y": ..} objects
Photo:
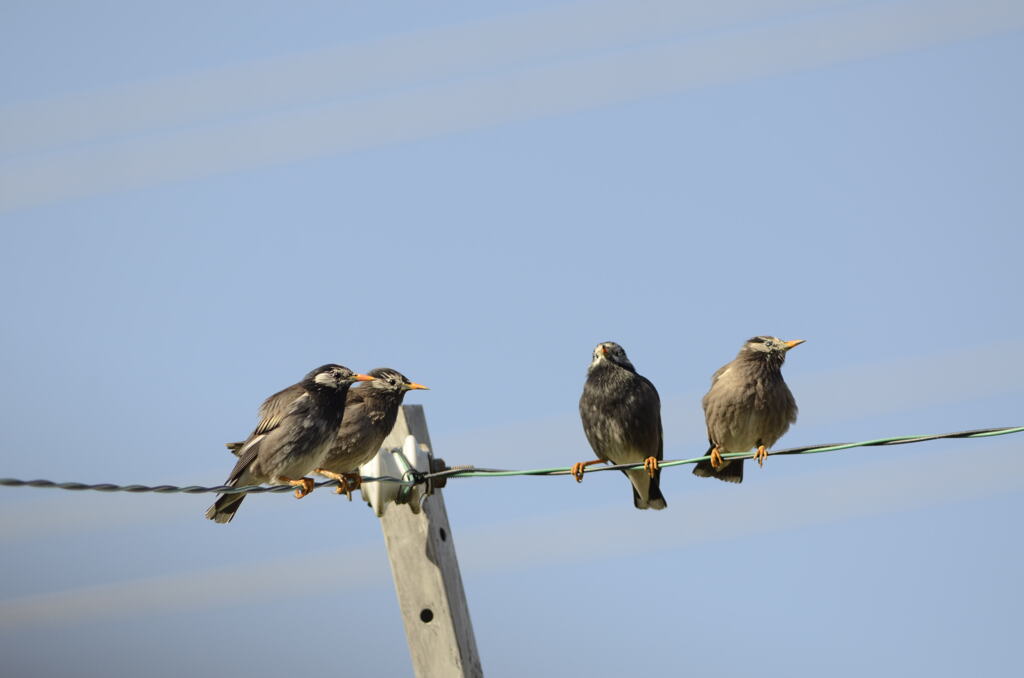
[
  {"x": 296, "y": 428},
  {"x": 748, "y": 405},
  {"x": 621, "y": 415}
]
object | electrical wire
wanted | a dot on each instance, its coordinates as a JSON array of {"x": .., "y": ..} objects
[{"x": 474, "y": 472}]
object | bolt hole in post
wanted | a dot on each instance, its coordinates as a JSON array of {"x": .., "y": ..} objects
[
  {"x": 444, "y": 535},
  {"x": 426, "y": 615}
]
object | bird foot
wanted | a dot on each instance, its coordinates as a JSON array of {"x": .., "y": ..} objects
[
  {"x": 578, "y": 468},
  {"x": 716, "y": 459},
  {"x": 303, "y": 486},
  {"x": 347, "y": 482},
  {"x": 651, "y": 464},
  {"x": 761, "y": 455}
]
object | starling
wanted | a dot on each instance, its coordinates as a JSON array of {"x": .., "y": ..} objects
[
  {"x": 370, "y": 413},
  {"x": 749, "y": 405},
  {"x": 621, "y": 415},
  {"x": 292, "y": 438}
]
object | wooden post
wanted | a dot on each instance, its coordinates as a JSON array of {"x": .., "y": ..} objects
[{"x": 426, "y": 573}]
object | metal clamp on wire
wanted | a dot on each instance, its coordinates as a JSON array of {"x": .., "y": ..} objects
[{"x": 410, "y": 463}]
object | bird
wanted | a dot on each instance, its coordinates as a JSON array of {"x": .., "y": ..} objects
[
  {"x": 370, "y": 413},
  {"x": 621, "y": 414},
  {"x": 748, "y": 405},
  {"x": 292, "y": 437}
]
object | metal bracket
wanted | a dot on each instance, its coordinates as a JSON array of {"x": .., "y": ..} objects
[{"x": 409, "y": 463}]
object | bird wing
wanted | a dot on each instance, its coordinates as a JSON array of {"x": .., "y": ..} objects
[
  {"x": 246, "y": 456},
  {"x": 292, "y": 400},
  {"x": 595, "y": 425},
  {"x": 781, "y": 413},
  {"x": 719, "y": 372},
  {"x": 728, "y": 406},
  {"x": 651, "y": 434},
  {"x": 274, "y": 408},
  {"x": 271, "y": 412},
  {"x": 355, "y": 404},
  {"x": 349, "y": 435}
]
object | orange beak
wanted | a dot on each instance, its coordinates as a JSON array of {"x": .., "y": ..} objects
[
  {"x": 794, "y": 343},
  {"x": 413, "y": 387},
  {"x": 364, "y": 377}
]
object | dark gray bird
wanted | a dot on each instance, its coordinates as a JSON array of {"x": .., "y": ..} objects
[
  {"x": 749, "y": 405},
  {"x": 291, "y": 438},
  {"x": 621, "y": 414},
  {"x": 370, "y": 413}
]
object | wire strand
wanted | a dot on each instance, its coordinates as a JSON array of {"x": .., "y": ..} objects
[
  {"x": 810, "y": 449},
  {"x": 474, "y": 472}
]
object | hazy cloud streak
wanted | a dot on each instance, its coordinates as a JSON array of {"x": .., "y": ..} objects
[
  {"x": 524, "y": 94},
  {"x": 895, "y": 484},
  {"x": 368, "y": 67}
]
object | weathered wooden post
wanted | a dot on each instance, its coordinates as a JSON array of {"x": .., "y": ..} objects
[{"x": 426, "y": 572}]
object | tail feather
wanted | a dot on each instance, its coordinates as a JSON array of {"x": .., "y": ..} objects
[
  {"x": 730, "y": 472},
  {"x": 224, "y": 509},
  {"x": 646, "y": 490}
]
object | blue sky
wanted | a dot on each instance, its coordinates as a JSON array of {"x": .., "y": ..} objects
[{"x": 201, "y": 203}]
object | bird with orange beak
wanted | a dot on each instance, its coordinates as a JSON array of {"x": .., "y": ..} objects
[
  {"x": 370, "y": 414},
  {"x": 749, "y": 405},
  {"x": 292, "y": 438}
]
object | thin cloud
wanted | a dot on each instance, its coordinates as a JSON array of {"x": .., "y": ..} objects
[
  {"x": 517, "y": 95},
  {"x": 372, "y": 67},
  {"x": 280, "y": 577},
  {"x": 817, "y": 498}
]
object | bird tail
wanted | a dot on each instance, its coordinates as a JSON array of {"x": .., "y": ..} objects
[
  {"x": 731, "y": 471},
  {"x": 646, "y": 490},
  {"x": 224, "y": 509}
]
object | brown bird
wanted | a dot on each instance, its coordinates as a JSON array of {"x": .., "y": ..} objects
[
  {"x": 370, "y": 414},
  {"x": 749, "y": 405}
]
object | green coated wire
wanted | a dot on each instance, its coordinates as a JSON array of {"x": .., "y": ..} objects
[{"x": 899, "y": 440}]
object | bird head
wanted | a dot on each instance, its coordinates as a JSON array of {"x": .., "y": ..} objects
[
  {"x": 392, "y": 380},
  {"x": 610, "y": 352},
  {"x": 771, "y": 349},
  {"x": 333, "y": 376}
]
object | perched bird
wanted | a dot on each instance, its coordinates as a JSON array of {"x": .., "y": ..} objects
[
  {"x": 370, "y": 413},
  {"x": 292, "y": 438},
  {"x": 749, "y": 405},
  {"x": 621, "y": 415}
]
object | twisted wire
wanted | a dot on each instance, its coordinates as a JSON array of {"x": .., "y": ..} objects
[{"x": 474, "y": 472}]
